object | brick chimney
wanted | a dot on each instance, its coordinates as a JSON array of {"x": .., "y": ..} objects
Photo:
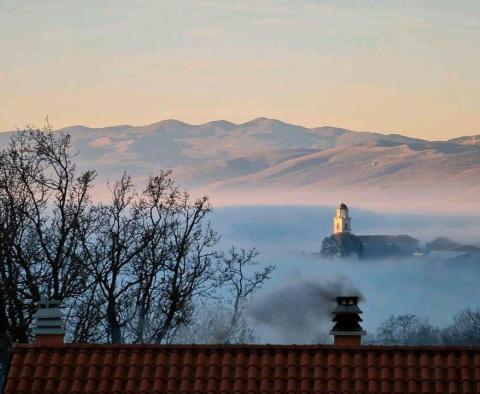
[
  {"x": 48, "y": 325},
  {"x": 347, "y": 331}
]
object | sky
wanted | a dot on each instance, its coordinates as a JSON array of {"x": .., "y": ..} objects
[{"x": 410, "y": 67}]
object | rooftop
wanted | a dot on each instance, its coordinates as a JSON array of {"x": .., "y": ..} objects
[
  {"x": 386, "y": 238},
  {"x": 105, "y": 369}
]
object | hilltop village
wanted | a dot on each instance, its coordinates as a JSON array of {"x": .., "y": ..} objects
[{"x": 343, "y": 243}]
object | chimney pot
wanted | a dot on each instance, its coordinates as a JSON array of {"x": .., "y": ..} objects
[
  {"x": 48, "y": 326},
  {"x": 347, "y": 331}
]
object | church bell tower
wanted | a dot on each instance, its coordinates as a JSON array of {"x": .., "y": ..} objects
[{"x": 342, "y": 222}]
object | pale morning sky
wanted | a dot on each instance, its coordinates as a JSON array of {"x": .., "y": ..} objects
[{"x": 411, "y": 67}]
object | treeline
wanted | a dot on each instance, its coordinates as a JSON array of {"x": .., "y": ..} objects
[
  {"x": 409, "y": 329},
  {"x": 133, "y": 269}
]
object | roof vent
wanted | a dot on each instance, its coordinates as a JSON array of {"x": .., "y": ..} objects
[
  {"x": 48, "y": 326},
  {"x": 347, "y": 330}
]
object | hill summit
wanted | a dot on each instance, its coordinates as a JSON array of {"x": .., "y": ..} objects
[{"x": 267, "y": 161}]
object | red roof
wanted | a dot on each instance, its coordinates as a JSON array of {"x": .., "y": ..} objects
[{"x": 232, "y": 369}]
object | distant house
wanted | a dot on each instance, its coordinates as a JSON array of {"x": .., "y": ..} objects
[
  {"x": 443, "y": 248},
  {"x": 347, "y": 367}
]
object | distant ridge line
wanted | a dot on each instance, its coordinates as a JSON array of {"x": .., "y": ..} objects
[{"x": 258, "y": 120}]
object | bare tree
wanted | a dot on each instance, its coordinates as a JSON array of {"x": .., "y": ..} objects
[
  {"x": 135, "y": 269},
  {"x": 59, "y": 200},
  {"x": 44, "y": 204},
  {"x": 188, "y": 271},
  {"x": 211, "y": 324},
  {"x": 241, "y": 281},
  {"x": 222, "y": 318},
  {"x": 151, "y": 255},
  {"x": 20, "y": 277},
  {"x": 407, "y": 329},
  {"x": 86, "y": 318},
  {"x": 465, "y": 328},
  {"x": 158, "y": 204},
  {"x": 117, "y": 240}
]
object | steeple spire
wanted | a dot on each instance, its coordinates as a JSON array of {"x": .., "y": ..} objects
[{"x": 342, "y": 222}]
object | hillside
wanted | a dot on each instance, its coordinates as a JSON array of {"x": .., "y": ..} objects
[{"x": 269, "y": 161}]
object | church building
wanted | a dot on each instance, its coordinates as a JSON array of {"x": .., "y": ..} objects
[{"x": 343, "y": 243}]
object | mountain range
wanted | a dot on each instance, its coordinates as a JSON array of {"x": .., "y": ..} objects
[{"x": 266, "y": 161}]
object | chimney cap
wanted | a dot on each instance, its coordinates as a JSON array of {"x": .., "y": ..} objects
[
  {"x": 48, "y": 319},
  {"x": 49, "y": 304},
  {"x": 347, "y": 318},
  {"x": 347, "y": 300},
  {"x": 347, "y": 305}
]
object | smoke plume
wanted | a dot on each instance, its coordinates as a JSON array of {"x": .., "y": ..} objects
[{"x": 300, "y": 312}]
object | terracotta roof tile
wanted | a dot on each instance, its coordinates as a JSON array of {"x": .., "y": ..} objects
[
  {"x": 263, "y": 369},
  {"x": 145, "y": 374}
]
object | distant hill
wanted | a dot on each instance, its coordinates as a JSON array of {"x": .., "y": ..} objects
[
  {"x": 446, "y": 244},
  {"x": 269, "y": 161}
]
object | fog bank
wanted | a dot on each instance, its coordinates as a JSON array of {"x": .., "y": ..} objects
[{"x": 293, "y": 306}]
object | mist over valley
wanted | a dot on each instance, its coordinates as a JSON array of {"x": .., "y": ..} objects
[{"x": 290, "y": 237}]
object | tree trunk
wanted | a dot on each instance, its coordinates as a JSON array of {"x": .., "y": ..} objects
[{"x": 113, "y": 325}]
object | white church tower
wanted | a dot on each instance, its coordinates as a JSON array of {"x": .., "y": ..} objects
[{"x": 342, "y": 222}]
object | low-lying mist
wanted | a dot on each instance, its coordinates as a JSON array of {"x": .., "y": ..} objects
[{"x": 294, "y": 306}]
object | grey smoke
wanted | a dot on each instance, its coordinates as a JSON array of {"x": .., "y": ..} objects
[{"x": 300, "y": 312}]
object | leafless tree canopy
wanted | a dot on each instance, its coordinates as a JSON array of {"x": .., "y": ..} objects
[
  {"x": 409, "y": 329},
  {"x": 137, "y": 268},
  {"x": 44, "y": 207},
  {"x": 465, "y": 328}
]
